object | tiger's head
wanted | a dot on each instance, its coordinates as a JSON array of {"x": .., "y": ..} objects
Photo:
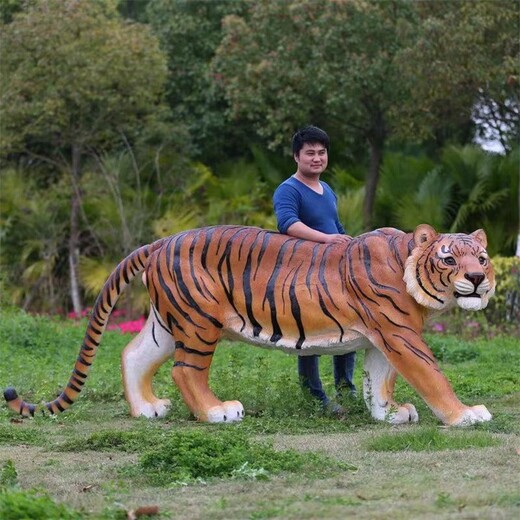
[{"x": 446, "y": 270}]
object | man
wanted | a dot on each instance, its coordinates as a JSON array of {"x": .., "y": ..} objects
[{"x": 306, "y": 208}]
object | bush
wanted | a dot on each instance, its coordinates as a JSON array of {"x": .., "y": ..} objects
[
  {"x": 189, "y": 456},
  {"x": 505, "y": 305}
]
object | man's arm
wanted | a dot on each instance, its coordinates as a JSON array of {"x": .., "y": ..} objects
[{"x": 300, "y": 230}]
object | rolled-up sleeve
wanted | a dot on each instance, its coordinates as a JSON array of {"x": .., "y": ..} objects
[{"x": 286, "y": 203}]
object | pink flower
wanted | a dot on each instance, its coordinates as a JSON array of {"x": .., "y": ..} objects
[
  {"x": 72, "y": 315},
  {"x": 438, "y": 327},
  {"x": 134, "y": 326}
]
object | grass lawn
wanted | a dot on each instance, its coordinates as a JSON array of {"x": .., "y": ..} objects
[{"x": 285, "y": 460}]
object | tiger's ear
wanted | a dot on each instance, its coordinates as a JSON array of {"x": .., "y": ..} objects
[
  {"x": 480, "y": 236},
  {"x": 424, "y": 233}
]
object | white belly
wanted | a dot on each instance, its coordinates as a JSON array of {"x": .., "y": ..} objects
[{"x": 318, "y": 344}]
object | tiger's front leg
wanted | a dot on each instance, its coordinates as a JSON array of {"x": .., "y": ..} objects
[
  {"x": 413, "y": 360},
  {"x": 378, "y": 391},
  {"x": 191, "y": 373}
]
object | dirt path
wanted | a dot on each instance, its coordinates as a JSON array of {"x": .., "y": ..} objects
[{"x": 470, "y": 483}]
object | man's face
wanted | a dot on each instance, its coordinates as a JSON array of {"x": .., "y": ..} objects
[{"x": 312, "y": 160}]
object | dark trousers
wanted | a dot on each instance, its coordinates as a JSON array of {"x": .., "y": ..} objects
[{"x": 308, "y": 370}]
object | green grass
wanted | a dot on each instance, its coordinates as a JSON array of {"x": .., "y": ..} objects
[
  {"x": 38, "y": 354},
  {"x": 191, "y": 456},
  {"x": 432, "y": 439}
]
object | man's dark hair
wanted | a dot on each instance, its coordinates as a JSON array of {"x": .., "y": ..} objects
[{"x": 311, "y": 135}]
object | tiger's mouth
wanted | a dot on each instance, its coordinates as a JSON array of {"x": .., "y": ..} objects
[{"x": 474, "y": 294}]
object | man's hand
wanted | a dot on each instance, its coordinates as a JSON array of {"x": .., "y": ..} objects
[{"x": 337, "y": 239}]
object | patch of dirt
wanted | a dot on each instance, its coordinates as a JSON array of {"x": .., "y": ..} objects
[{"x": 471, "y": 483}]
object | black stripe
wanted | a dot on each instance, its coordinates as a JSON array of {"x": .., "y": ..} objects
[
  {"x": 248, "y": 293},
  {"x": 118, "y": 278},
  {"x": 418, "y": 352},
  {"x": 367, "y": 260},
  {"x": 67, "y": 399},
  {"x": 171, "y": 299},
  {"x": 83, "y": 361},
  {"x": 321, "y": 275},
  {"x": 311, "y": 267},
  {"x": 73, "y": 387},
  {"x": 192, "y": 268},
  {"x": 263, "y": 248},
  {"x": 80, "y": 374},
  {"x": 419, "y": 282},
  {"x": 92, "y": 340},
  {"x": 182, "y": 364},
  {"x": 185, "y": 290},
  {"x": 228, "y": 289},
  {"x": 270, "y": 293},
  {"x": 76, "y": 380},
  {"x": 93, "y": 329},
  {"x": 295, "y": 309},
  {"x": 329, "y": 315},
  {"x": 188, "y": 350}
]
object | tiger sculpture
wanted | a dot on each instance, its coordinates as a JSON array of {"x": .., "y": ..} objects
[{"x": 302, "y": 297}]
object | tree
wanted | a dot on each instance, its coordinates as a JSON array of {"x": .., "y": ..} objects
[
  {"x": 465, "y": 60},
  {"x": 190, "y": 32},
  {"x": 371, "y": 71},
  {"x": 75, "y": 78},
  {"x": 330, "y": 64}
]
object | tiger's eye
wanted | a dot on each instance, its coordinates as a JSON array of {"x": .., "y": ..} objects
[
  {"x": 482, "y": 260},
  {"x": 449, "y": 260}
]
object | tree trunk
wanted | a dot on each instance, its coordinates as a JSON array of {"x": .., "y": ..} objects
[
  {"x": 376, "y": 140},
  {"x": 74, "y": 232}
]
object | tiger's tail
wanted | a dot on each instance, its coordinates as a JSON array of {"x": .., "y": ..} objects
[{"x": 122, "y": 275}]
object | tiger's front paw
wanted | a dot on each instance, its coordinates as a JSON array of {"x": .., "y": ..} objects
[
  {"x": 234, "y": 410},
  {"x": 229, "y": 411},
  {"x": 472, "y": 415},
  {"x": 402, "y": 414}
]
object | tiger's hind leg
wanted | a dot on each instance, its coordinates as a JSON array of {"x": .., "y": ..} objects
[
  {"x": 140, "y": 360},
  {"x": 378, "y": 390},
  {"x": 191, "y": 373}
]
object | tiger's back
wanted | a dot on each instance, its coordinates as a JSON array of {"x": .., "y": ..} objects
[{"x": 273, "y": 290}]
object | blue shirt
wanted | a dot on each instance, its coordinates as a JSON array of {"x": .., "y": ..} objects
[{"x": 295, "y": 202}]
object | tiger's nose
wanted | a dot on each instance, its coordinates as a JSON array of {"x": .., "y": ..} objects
[{"x": 474, "y": 278}]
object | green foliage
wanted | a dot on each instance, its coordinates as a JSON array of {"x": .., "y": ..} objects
[
  {"x": 130, "y": 441},
  {"x": 350, "y": 211},
  {"x": 20, "y": 435},
  {"x": 66, "y": 78},
  {"x": 8, "y": 475},
  {"x": 463, "y": 52},
  {"x": 431, "y": 439},
  {"x": 33, "y": 235},
  {"x": 485, "y": 190},
  {"x": 51, "y": 345},
  {"x": 199, "y": 454},
  {"x": 34, "y": 505},
  {"x": 455, "y": 352},
  {"x": 361, "y": 84},
  {"x": 189, "y": 33},
  {"x": 505, "y": 304}
]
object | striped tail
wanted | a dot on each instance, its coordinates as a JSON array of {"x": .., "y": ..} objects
[{"x": 123, "y": 274}]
